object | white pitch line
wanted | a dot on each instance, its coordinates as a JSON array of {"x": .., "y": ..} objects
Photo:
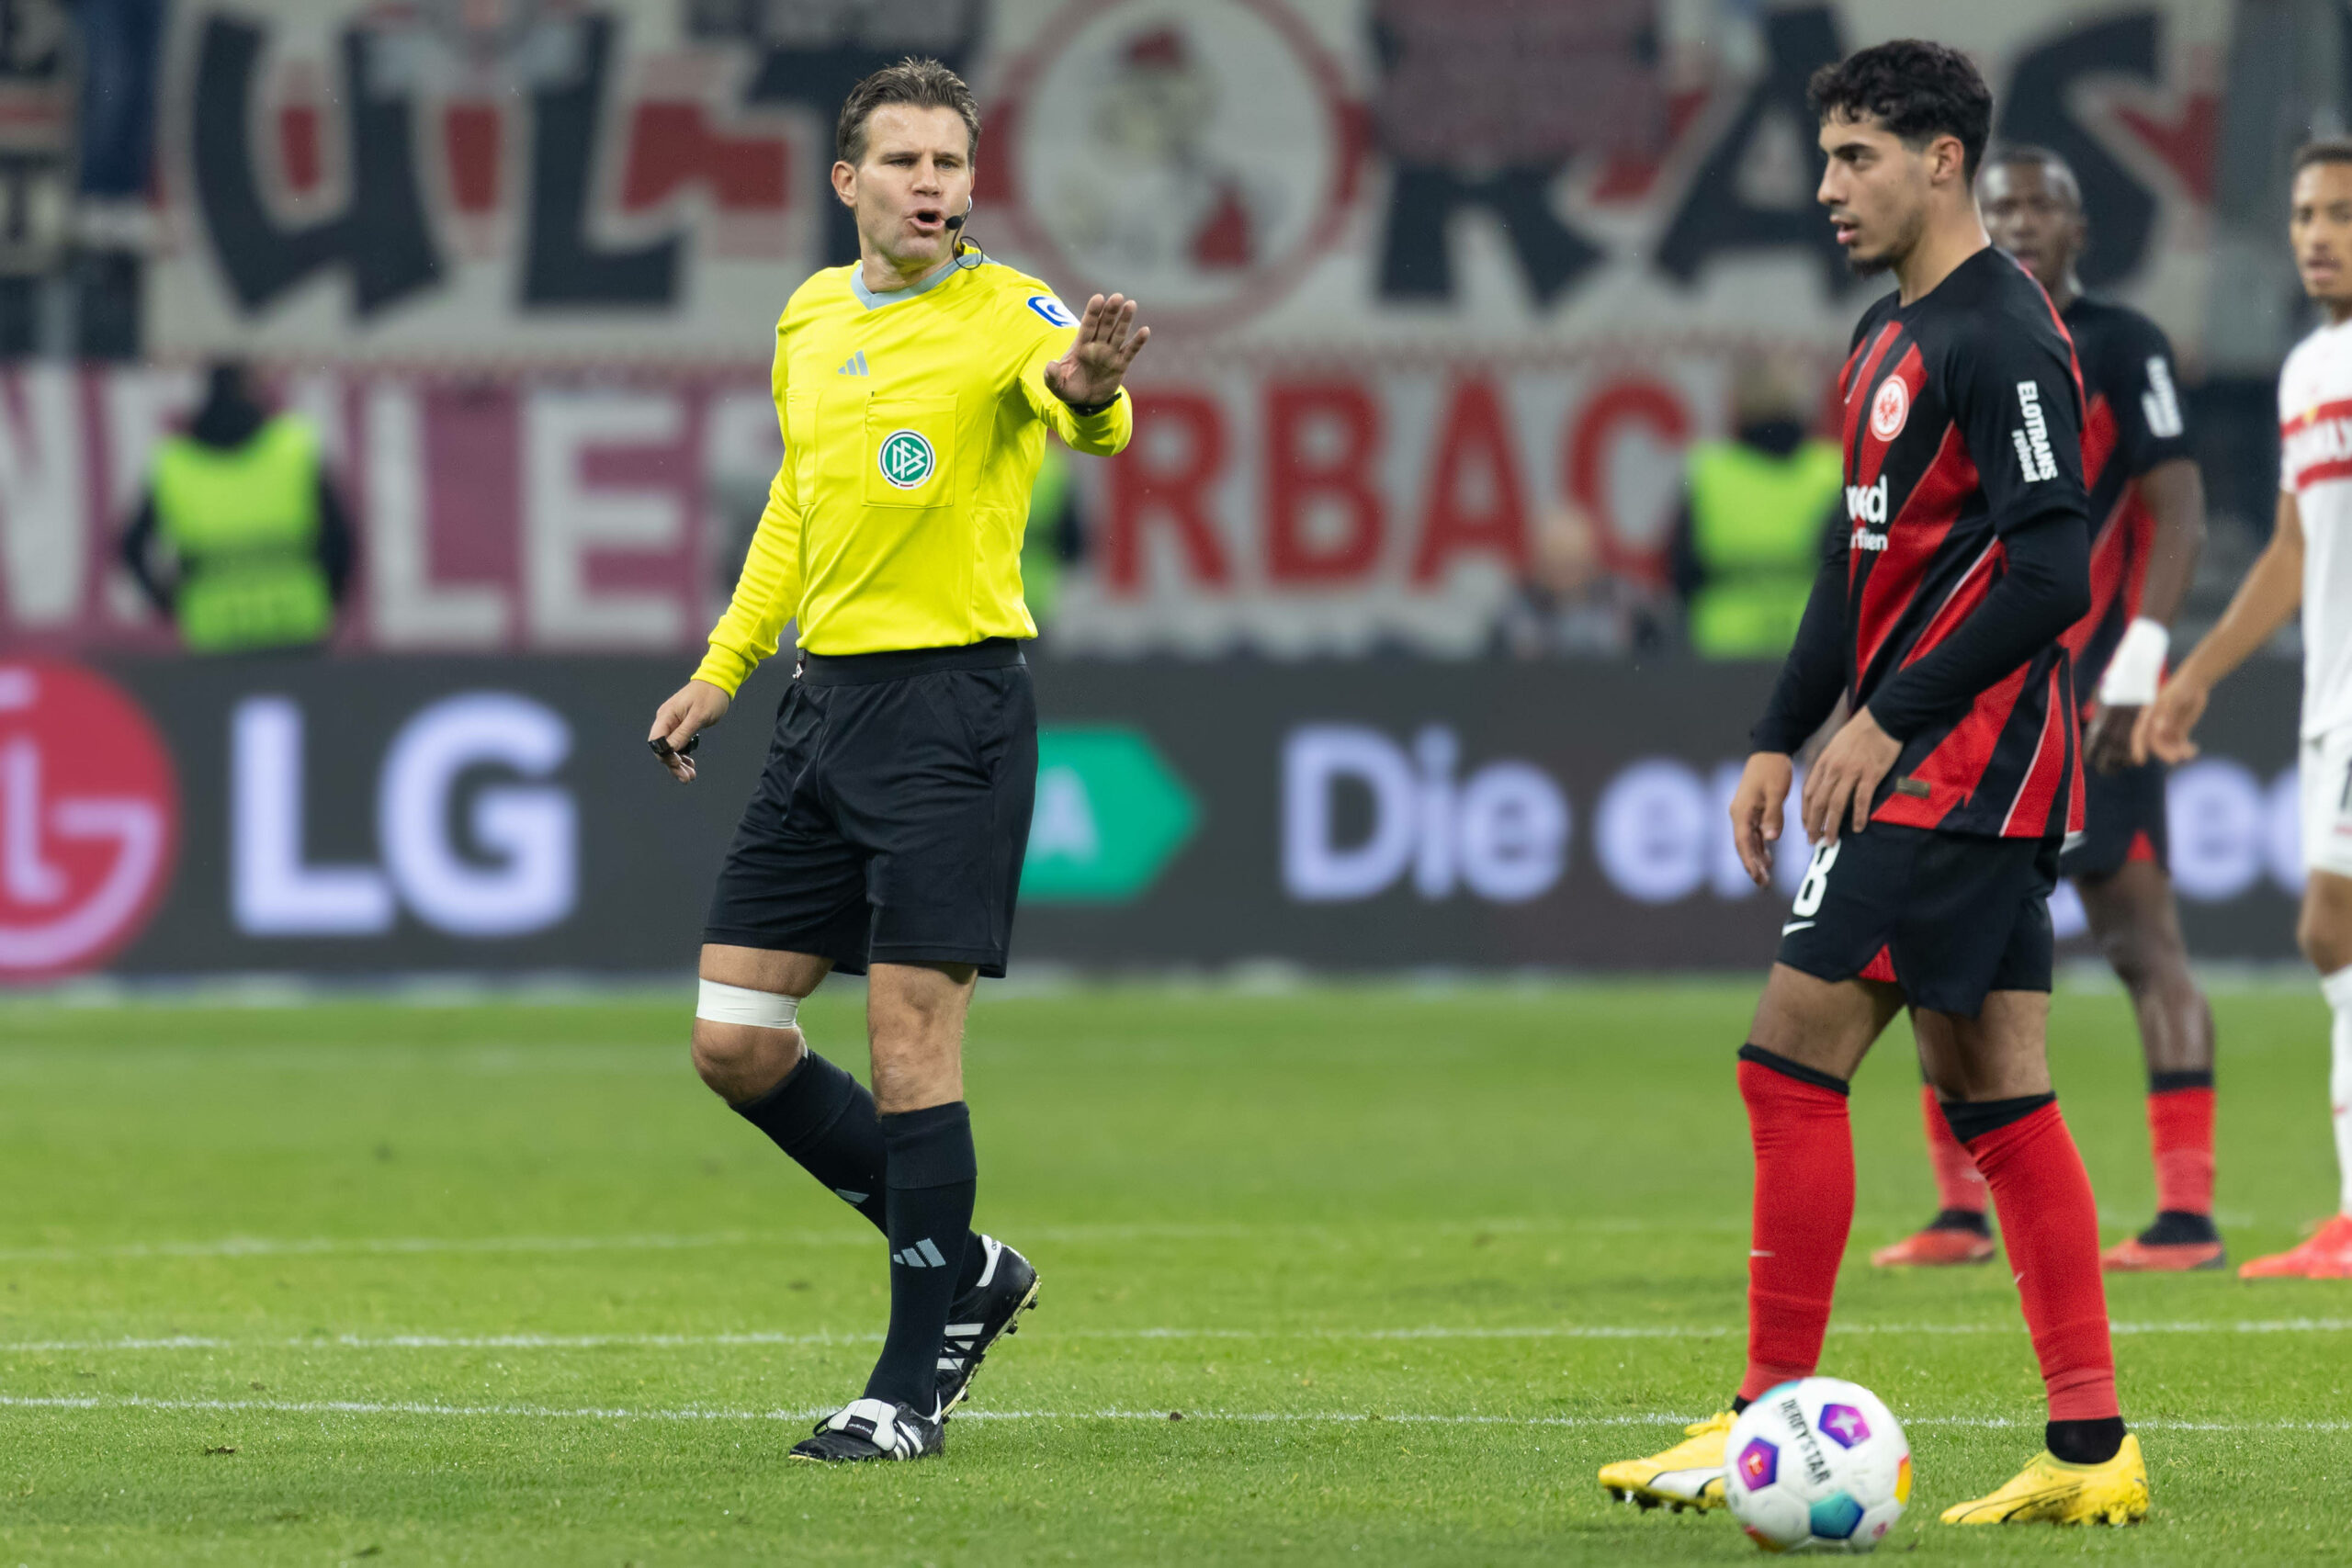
[
  {"x": 306, "y": 1247},
  {"x": 697, "y": 1412},
  {"x": 1064, "y": 1235},
  {"x": 764, "y": 1338}
]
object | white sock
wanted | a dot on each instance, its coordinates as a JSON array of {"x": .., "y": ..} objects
[{"x": 2337, "y": 988}]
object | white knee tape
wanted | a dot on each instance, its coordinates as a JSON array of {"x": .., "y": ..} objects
[{"x": 740, "y": 1004}]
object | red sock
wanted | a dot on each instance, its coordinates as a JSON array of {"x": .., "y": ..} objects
[
  {"x": 1804, "y": 1205},
  {"x": 1958, "y": 1184},
  {"x": 2180, "y": 1130},
  {"x": 2050, "y": 1228}
]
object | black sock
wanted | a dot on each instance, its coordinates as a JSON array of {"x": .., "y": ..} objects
[
  {"x": 2178, "y": 1227},
  {"x": 2085, "y": 1442},
  {"x": 1971, "y": 1220},
  {"x": 1971, "y": 1119},
  {"x": 825, "y": 1118},
  {"x": 932, "y": 1175}
]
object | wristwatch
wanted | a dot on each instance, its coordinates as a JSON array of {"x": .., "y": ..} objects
[{"x": 1088, "y": 410}]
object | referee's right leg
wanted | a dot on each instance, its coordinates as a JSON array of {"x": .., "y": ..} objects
[
  {"x": 748, "y": 1046},
  {"x": 747, "y": 1030}
]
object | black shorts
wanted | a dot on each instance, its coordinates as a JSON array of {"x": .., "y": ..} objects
[
  {"x": 1947, "y": 916},
  {"x": 892, "y": 814},
  {"x": 2123, "y": 821}
]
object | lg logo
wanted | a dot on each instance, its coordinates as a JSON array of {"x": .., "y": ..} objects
[
  {"x": 89, "y": 819},
  {"x": 512, "y": 870}
]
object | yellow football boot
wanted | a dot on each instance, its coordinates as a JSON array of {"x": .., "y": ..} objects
[
  {"x": 2050, "y": 1492},
  {"x": 1688, "y": 1475}
]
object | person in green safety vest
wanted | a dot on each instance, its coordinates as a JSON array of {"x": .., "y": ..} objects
[
  {"x": 241, "y": 539},
  {"x": 1756, "y": 510}
]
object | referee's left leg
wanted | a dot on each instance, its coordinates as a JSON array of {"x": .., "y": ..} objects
[{"x": 901, "y": 1156}]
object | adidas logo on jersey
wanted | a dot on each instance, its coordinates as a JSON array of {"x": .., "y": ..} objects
[
  {"x": 2033, "y": 441},
  {"x": 854, "y": 366}
]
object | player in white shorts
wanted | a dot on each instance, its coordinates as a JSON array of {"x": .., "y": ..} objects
[{"x": 2308, "y": 562}]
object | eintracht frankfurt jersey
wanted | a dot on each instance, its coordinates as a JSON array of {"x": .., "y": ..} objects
[
  {"x": 1962, "y": 425},
  {"x": 2316, "y": 467},
  {"x": 2132, "y": 422}
]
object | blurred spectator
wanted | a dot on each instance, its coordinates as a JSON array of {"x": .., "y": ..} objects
[
  {"x": 1569, "y": 604},
  {"x": 253, "y": 543},
  {"x": 120, "y": 52},
  {"x": 1755, "y": 508}
]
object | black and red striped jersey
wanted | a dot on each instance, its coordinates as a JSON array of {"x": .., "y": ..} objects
[
  {"x": 2132, "y": 422},
  {"x": 1962, "y": 425}
]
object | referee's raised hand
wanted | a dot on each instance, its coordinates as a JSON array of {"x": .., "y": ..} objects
[{"x": 1108, "y": 341}]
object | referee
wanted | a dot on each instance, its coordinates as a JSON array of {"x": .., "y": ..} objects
[{"x": 914, "y": 388}]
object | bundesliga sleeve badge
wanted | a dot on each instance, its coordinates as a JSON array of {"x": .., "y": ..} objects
[{"x": 1053, "y": 310}]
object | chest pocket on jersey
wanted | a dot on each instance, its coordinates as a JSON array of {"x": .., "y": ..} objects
[{"x": 911, "y": 451}]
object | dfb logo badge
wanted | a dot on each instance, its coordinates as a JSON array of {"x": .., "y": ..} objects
[
  {"x": 89, "y": 819},
  {"x": 1890, "y": 407},
  {"x": 906, "y": 459}
]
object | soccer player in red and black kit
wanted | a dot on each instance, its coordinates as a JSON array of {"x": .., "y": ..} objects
[
  {"x": 1940, "y": 804},
  {"x": 2147, "y": 512}
]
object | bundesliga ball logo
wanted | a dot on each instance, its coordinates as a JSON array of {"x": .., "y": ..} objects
[
  {"x": 1889, "y": 406},
  {"x": 1819, "y": 1465}
]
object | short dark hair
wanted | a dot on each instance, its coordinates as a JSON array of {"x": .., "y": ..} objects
[
  {"x": 2326, "y": 150},
  {"x": 925, "y": 84},
  {"x": 2051, "y": 163},
  {"x": 1916, "y": 89}
]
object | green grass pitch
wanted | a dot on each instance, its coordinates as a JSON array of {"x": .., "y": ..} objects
[{"x": 503, "y": 1283}]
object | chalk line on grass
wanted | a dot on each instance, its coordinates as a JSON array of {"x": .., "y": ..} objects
[
  {"x": 705, "y": 1414},
  {"x": 1065, "y": 1235}
]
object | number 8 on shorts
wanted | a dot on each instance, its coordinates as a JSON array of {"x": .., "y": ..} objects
[{"x": 1815, "y": 885}]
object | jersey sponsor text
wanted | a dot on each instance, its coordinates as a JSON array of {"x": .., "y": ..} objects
[
  {"x": 2033, "y": 441},
  {"x": 2318, "y": 444}
]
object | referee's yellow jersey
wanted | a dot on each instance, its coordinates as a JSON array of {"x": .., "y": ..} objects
[{"x": 913, "y": 423}]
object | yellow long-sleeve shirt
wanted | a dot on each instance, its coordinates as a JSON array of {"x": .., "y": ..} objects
[{"x": 913, "y": 423}]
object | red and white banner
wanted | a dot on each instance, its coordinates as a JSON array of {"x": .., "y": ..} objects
[
  {"x": 1424, "y": 274},
  {"x": 539, "y": 513}
]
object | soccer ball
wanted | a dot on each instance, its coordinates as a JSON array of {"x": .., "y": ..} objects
[{"x": 1816, "y": 1465}]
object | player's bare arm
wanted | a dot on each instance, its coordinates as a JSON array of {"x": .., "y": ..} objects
[
  {"x": 692, "y": 708},
  {"x": 1840, "y": 786},
  {"x": 1107, "y": 343},
  {"x": 2264, "y": 601},
  {"x": 1757, "y": 806},
  {"x": 2174, "y": 494}
]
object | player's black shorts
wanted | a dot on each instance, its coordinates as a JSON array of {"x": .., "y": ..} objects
[
  {"x": 2123, "y": 821},
  {"x": 892, "y": 814},
  {"x": 1947, "y": 916}
]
